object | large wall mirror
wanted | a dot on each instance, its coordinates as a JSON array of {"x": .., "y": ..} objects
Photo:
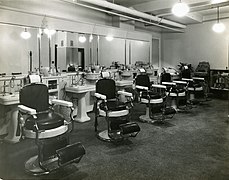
[
  {"x": 65, "y": 48},
  {"x": 18, "y": 54}
]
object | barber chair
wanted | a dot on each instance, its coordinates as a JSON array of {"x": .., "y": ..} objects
[
  {"x": 197, "y": 89},
  {"x": 155, "y": 99},
  {"x": 49, "y": 129},
  {"x": 117, "y": 113},
  {"x": 176, "y": 91}
]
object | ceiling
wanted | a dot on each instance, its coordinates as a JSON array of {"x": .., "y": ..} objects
[{"x": 200, "y": 10}]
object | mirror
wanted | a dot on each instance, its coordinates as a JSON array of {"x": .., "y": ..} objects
[
  {"x": 64, "y": 48},
  {"x": 16, "y": 52}
]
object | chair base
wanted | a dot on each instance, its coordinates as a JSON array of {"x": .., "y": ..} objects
[
  {"x": 32, "y": 166},
  {"x": 103, "y": 135}
]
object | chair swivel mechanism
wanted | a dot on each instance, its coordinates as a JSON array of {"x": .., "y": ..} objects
[
  {"x": 155, "y": 99},
  {"x": 117, "y": 113},
  {"x": 39, "y": 121}
]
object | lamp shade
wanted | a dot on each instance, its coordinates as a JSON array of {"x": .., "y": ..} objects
[
  {"x": 180, "y": 9},
  {"x": 25, "y": 34},
  {"x": 218, "y": 27},
  {"x": 109, "y": 38},
  {"x": 82, "y": 38},
  {"x": 49, "y": 32}
]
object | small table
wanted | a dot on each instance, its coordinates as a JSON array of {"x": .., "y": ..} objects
[
  {"x": 81, "y": 92},
  {"x": 11, "y": 127}
]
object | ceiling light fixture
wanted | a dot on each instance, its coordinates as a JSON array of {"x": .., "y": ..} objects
[
  {"x": 82, "y": 38},
  {"x": 218, "y": 27},
  {"x": 90, "y": 38},
  {"x": 25, "y": 34},
  {"x": 180, "y": 9},
  {"x": 109, "y": 38},
  {"x": 46, "y": 29}
]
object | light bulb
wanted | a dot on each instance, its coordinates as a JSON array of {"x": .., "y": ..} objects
[
  {"x": 180, "y": 9},
  {"x": 90, "y": 38},
  {"x": 109, "y": 38},
  {"x": 25, "y": 34},
  {"x": 49, "y": 32},
  {"x": 82, "y": 38},
  {"x": 218, "y": 27}
]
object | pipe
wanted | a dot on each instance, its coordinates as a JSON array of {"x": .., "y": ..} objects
[
  {"x": 129, "y": 11},
  {"x": 125, "y": 16}
]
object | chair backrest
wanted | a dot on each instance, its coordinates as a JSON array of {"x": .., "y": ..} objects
[
  {"x": 143, "y": 80},
  {"x": 166, "y": 77},
  {"x": 35, "y": 96},
  {"x": 106, "y": 87},
  {"x": 186, "y": 73}
]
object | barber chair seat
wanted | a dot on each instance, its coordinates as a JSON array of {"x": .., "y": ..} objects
[
  {"x": 116, "y": 113},
  {"x": 155, "y": 99},
  {"x": 39, "y": 121}
]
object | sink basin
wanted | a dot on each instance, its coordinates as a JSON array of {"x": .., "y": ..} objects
[
  {"x": 9, "y": 99},
  {"x": 124, "y": 83},
  {"x": 92, "y": 76}
]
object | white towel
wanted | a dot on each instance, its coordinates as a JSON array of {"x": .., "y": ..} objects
[{"x": 34, "y": 78}]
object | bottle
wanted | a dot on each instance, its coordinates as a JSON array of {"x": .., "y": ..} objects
[{"x": 53, "y": 69}]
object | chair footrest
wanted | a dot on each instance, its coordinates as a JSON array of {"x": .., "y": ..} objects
[
  {"x": 69, "y": 154},
  {"x": 169, "y": 110},
  {"x": 131, "y": 129}
]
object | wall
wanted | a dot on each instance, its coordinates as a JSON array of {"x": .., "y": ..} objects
[{"x": 198, "y": 43}]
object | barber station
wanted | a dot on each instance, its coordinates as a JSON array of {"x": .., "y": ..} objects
[{"x": 113, "y": 90}]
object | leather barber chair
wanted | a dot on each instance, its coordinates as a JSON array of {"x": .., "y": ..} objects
[
  {"x": 154, "y": 97},
  {"x": 49, "y": 129},
  {"x": 176, "y": 91},
  {"x": 197, "y": 89},
  {"x": 116, "y": 112}
]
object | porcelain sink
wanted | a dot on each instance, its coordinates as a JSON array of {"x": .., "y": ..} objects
[
  {"x": 9, "y": 99},
  {"x": 124, "y": 83}
]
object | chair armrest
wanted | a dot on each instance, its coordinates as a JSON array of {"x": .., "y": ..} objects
[
  {"x": 158, "y": 86},
  {"x": 27, "y": 110},
  {"x": 180, "y": 82},
  {"x": 198, "y": 78},
  {"x": 169, "y": 83},
  {"x": 186, "y": 79},
  {"x": 125, "y": 93},
  {"x": 142, "y": 87},
  {"x": 100, "y": 96},
  {"x": 62, "y": 103}
]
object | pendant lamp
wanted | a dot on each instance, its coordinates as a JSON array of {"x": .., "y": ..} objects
[
  {"x": 218, "y": 27},
  {"x": 180, "y": 9}
]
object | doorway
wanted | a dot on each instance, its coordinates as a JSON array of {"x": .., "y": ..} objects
[{"x": 81, "y": 58}]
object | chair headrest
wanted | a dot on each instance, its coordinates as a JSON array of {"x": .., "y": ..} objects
[
  {"x": 34, "y": 78},
  {"x": 105, "y": 74}
]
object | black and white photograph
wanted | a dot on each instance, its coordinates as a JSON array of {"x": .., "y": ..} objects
[{"x": 114, "y": 89}]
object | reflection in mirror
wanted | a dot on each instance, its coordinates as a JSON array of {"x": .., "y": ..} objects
[
  {"x": 139, "y": 51},
  {"x": 155, "y": 52},
  {"x": 16, "y": 52},
  {"x": 123, "y": 51},
  {"x": 111, "y": 51},
  {"x": 73, "y": 52}
]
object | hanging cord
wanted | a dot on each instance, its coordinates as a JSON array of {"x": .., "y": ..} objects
[{"x": 217, "y": 14}]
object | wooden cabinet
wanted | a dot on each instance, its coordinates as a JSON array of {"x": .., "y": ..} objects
[{"x": 219, "y": 82}]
